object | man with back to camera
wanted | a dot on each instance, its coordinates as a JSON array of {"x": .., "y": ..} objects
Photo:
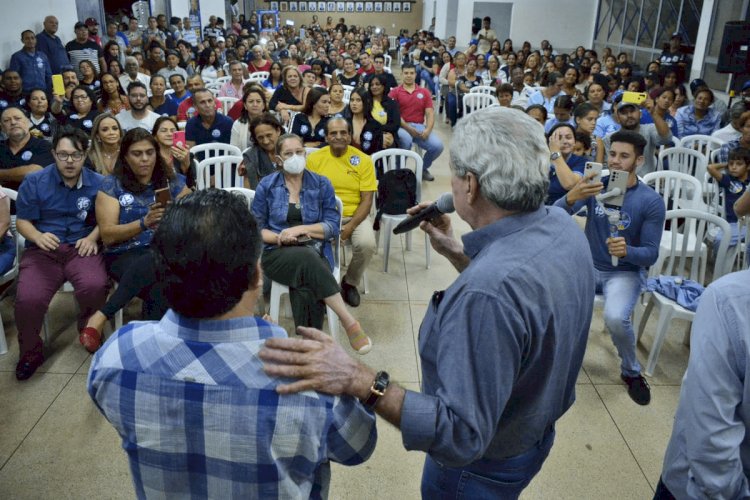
[
  {"x": 417, "y": 119},
  {"x": 502, "y": 346},
  {"x": 636, "y": 246},
  {"x": 187, "y": 394}
]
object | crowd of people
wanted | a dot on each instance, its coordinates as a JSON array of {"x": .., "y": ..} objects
[{"x": 90, "y": 144}]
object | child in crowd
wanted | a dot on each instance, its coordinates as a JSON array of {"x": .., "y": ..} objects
[
  {"x": 583, "y": 146},
  {"x": 734, "y": 182}
]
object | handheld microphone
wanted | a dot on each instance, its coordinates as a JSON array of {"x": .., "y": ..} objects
[
  {"x": 614, "y": 221},
  {"x": 443, "y": 205}
]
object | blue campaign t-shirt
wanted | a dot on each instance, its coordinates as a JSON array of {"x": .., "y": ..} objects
[
  {"x": 168, "y": 107},
  {"x": 733, "y": 189},
  {"x": 219, "y": 131},
  {"x": 133, "y": 206},
  {"x": 556, "y": 191},
  {"x": 68, "y": 213}
]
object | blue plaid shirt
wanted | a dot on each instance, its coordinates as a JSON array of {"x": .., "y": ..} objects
[{"x": 199, "y": 418}]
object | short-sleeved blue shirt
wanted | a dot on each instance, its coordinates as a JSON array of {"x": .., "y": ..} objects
[
  {"x": 133, "y": 206},
  {"x": 733, "y": 189},
  {"x": 68, "y": 213},
  {"x": 168, "y": 108},
  {"x": 219, "y": 131},
  {"x": 556, "y": 191}
]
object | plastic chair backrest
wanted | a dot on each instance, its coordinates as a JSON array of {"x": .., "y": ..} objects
[
  {"x": 388, "y": 59},
  {"x": 225, "y": 172},
  {"x": 685, "y": 160},
  {"x": 483, "y": 89},
  {"x": 476, "y": 101},
  {"x": 216, "y": 149},
  {"x": 401, "y": 158},
  {"x": 703, "y": 143},
  {"x": 227, "y": 103},
  {"x": 249, "y": 194},
  {"x": 677, "y": 190},
  {"x": 258, "y": 76},
  {"x": 347, "y": 93}
]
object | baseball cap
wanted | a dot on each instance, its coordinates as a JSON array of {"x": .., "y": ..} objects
[
  {"x": 91, "y": 22},
  {"x": 283, "y": 54},
  {"x": 676, "y": 34},
  {"x": 220, "y": 39}
]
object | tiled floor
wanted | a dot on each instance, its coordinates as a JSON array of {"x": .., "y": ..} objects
[{"x": 54, "y": 443}]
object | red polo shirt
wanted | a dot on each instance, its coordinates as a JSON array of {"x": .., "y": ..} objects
[
  {"x": 186, "y": 110},
  {"x": 412, "y": 104}
]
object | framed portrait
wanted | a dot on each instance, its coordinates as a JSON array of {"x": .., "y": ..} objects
[
  {"x": 368, "y": 6},
  {"x": 378, "y": 6},
  {"x": 350, "y": 6},
  {"x": 269, "y": 20},
  {"x": 396, "y": 6},
  {"x": 284, "y": 6},
  {"x": 274, "y": 5},
  {"x": 340, "y": 6},
  {"x": 292, "y": 6},
  {"x": 312, "y": 7},
  {"x": 322, "y": 6},
  {"x": 359, "y": 6},
  {"x": 406, "y": 7},
  {"x": 302, "y": 6},
  {"x": 387, "y": 7},
  {"x": 331, "y": 7}
]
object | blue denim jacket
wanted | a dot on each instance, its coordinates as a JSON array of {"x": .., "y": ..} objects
[{"x": 318, "y": 200}]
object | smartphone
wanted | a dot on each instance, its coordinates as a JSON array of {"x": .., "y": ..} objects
[
  {"x": 617, "y": 179},
  {"x": 58, "y": 87},
  {"x": 163, "y": 196},
  {"x": 178, "y": 138},
  {"x": 636, "y": 98},
  {"x": 592, "y": 166},
  {"x": 303, "y": 239}
]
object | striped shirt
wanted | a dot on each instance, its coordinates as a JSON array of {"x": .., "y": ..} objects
[
  {"x": 199, "y": 418},
  {"x": 86, "y": 51}
]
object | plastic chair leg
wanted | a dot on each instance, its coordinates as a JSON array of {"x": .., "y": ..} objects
[
  {"x": 427, "y": 253},
  {"x": 3, "y": 342},
  {"x": 644, "y": 318},
  {"x": 662, "y": 328},
  {"x": 386, "y": 246}
]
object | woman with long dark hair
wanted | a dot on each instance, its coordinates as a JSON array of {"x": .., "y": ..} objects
[
  {"x": 253, "y": 105},
  {"x": 128, "y": 212},
  {"x": 367, "y": 134},
  {"x": 291, "y": 95},
  {"x": 385, "y": 110},
  {"x": 310, "y": 123},
  {"x": 113, "y": 99}
]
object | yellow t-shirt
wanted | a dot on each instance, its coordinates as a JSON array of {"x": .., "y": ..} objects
[
  {"x": 351, "y": 174},
  {"x": 379, "y": 113}
]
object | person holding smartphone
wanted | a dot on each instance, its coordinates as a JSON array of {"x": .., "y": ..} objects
[{"x": 128, "y": 213}]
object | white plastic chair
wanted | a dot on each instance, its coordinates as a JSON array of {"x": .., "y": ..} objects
[
  {"x": 387, "y": 62},
  {"x": 391, "y": 160},
  {"x": 685, "y": 160},
  {"x": 393, "y": 45},
  {"x": 310, "y": 150},
  {"x": 347, "y": 93},
  {"x": 483, "y": 89},
  {"x": 258, "y": 76},
  {"x": 703, "y": 143},
  {"x": 476, "y": 101},
  {"x": 13, "y": 271},
  {"x": 277, "y": 289},
  {"x": 169, "y": 92},
  {"x": 225, "y": 172},
  {"x": 227, "y": 103},
  {"x": 675, "y": 263},
  {"x": 249, "y": 194},
  {"x": 216, "y": 149},
  {"x": 221, "y": 81}
]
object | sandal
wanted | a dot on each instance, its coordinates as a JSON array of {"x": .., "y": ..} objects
[
  {"x": 90, "y": 338},
  {"x": 358, "y": 339}
]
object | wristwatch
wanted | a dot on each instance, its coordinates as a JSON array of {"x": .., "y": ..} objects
[
  {"x": 554, "y": 156},
  {"x": 379, "y": 385}
]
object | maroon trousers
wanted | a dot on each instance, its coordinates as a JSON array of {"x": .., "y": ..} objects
[{"x": 41, "y": 274}]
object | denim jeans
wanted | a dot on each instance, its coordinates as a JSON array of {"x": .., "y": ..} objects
[
  {"x": 432, "y": 146},
  {"x": 621, "y": 290},
  {"x": 428, "y": 80},
  {"x": 485, "y": 479},
  {"x": 454, "y": 109}
]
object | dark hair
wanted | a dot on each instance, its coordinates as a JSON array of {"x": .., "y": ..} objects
[
  {"x": 658, "y": 91},
  {"x": 366, "y": 102},
  {"x": 742, "y": 154},
  {"x": 78, "y": 137},
  {"x": 138, "y": 84},
  {"x": 704, "y": 89},
  {"x": 89, "y": 93},
  {"x": 408, "y": 65},
  {"x": 636, "y": 80},
  {"x": 551, "y": 79},
  {"x": 540, "y": 108},
  {"x": 313, "y": 96},
  {"x": 583, "y": 138},
  {"x": 107, "y": 57},
  {"x": 630, "y": 137},
  {"x": 559, "y": 126},
  {"x": 383, "y": 79},
  {"x": 565, "y": 102},
  {"x": 504, "y": 88},
  {"x": 197, "y": 247},
  {"x": 264, "y": 119},
  {"x": 252, "y": 88},
  {"x": 93, "y": 67},
  {"x": 161, "y": 120},
  {"x": 178, "y": 75},
  {"x": 163, "y": 173}
]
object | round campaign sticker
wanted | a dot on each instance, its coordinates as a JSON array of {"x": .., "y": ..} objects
[
  {"x": 22, "y": 102},
  {"x": 190, "y": 111},
  {"x": 321, "y": 132},
  {"x": 216, "y": 133},
  {"x": 88, "y": 123},
  {"x": 44, "y": 127},
  {"x": 366, "y": 145},
  {"x": 354, "y": 160},
  {"x": 74, "y": 116},
  {"x": 382, "y": 113},
  {"x": 367, "y": 136},
  {"x": 26, "y": 155},
  {"x": 420, "y": 95},
  {"x": 97, "y": 83},
  {"x": 3, "y": 103},
  {"x": 82, "y": 215},
  {"x": 39, "y": 63},
  {"x": 126, "y": 199},
  {"x": 736, "y": 187},
  {"x": 83, "y": 203},
  {"x": 303, "y": 129}
]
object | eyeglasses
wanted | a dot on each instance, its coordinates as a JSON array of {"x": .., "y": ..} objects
[
  {"x": 62, "y": 156},
  {"x": 80, "y": 97}
]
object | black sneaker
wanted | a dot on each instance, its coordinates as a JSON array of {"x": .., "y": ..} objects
[
  {"x": 28, "y": 364},
  {"x": 638, "y": 389},
  {"x": 350, "y": 294},
  {"x": 427, "y": 176}
]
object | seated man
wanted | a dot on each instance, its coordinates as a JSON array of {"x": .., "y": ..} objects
[
  {"x": 131, "y": 74},
  {"x": 186, "y": 110},
  {"x": 208, "y": 126},
  {"x": 352, "y": 174},
  {"x": 634, "y": 242},
  {"x": 56, "y": 216},
  {"x": 11, "y": 93},
  {"x": 22, "y": 153},
  {"x": 138, "y": 115},
  {"x": 417, "y": 119},
  {"x": 205, "y": 420}
]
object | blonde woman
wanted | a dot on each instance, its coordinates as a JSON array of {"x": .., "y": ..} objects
[{"x": 106, "y": 136}]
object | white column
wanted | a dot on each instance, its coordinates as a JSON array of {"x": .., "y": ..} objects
[{"x": 701, "y": 40}]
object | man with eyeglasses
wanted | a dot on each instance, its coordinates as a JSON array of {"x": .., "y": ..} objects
[
  {"x": 138, "y": 115},
  {"x": 22, "y": 153},
  {"x": 55, "y": 208}
]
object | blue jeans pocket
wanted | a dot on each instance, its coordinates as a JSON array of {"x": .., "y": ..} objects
[{"x": 473, "y": 486}]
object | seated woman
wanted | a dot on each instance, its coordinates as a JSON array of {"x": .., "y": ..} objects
[
  {"x": 367, "y": 133},
  {"x": 113, "y": 99},
  {"x": 349, "y": 75},
  {"x": 565, "y": 169},
  {"x": 297, "y": 213},
  {"x": 43, "y": 124},
  {"x": 464, "y": 84},
  {"x": 106, "y": 136},
  {"x": 127, "y": 211},
  {"x": 253, "y": 106},
  {"x": 699, "y": 117},
  {"x": 310, "y": 124},
  {"x": 259, "y": 160},
  {"x": 89, "y": 78},
  {"x": 175, "y": 155},
  {"x": 83, "y": 112},
  {"x": 337, "y": 106},
  {"x": 273, "y": 81},
  {"x": 385, "y": 110},
  {"x": 291, "y": 95}
]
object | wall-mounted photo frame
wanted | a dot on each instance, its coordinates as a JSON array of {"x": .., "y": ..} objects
[
  {"x": 340, "y": 6},
  {"x": 292, "y": 6},
  {"x": 322, "y": 6},
  {"x": 284, "y": 6},
  {"x": 406, "y": 7},
  {"x": 312, "y": 7},
  {"x": 396, "y": 6},
  {"x": 359, "y": 6},
  {"x": 302, "y": 6},
  {"x": 350, "y": 6},
  {"x": 331, "y": 7},
  {"x": 387, "y": 7},
  {"x": 378, "y": 6},
  {"x": 368, "y": 7},
  {"x": 274, "y": 5}
]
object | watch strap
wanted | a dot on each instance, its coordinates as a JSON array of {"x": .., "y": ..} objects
[{"x": 379, "y": 386}]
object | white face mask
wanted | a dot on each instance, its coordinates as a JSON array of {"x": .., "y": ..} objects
[{"x": 295, "y": 164}]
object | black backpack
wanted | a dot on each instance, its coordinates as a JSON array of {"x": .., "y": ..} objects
[{"x": 397, "y": 191}]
